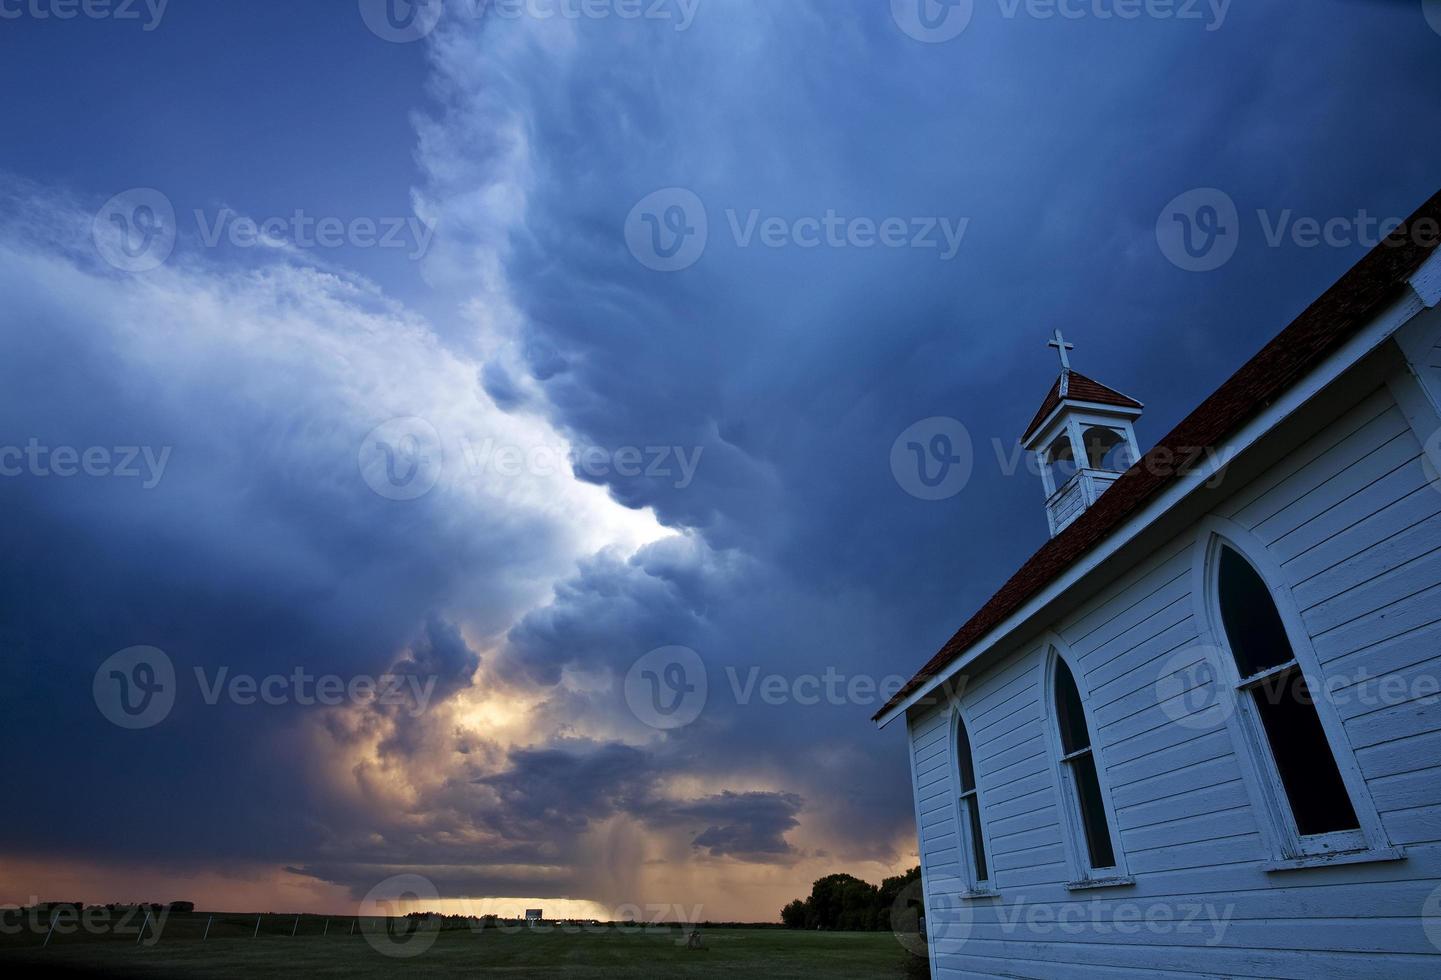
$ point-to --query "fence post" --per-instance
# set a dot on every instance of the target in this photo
(294, 927)
(52, 929)
(141, 934)
(257, 927)
(352, 927)
(207, 928)
(327, 928)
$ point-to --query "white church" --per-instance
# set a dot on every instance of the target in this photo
(1199, 732)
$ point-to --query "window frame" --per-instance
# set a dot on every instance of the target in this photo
(1288, 847)
(1077, 845)
(975, 885)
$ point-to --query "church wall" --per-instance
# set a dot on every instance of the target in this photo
(1354, 520)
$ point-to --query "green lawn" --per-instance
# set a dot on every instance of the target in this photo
(601, 954)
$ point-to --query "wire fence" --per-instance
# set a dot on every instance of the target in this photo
(32, 928)
(28, 928)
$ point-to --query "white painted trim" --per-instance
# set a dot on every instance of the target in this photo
(1078, 448)
(1423, 413)
(1426, 281)
(1383, 856)
(926, 893)
(1098, 884)
(1055, 650)
(1418, 391)
(1419, 337)
(1253, 749)
(1364, 342)
(1048, 484)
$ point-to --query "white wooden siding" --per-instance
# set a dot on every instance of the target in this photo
(1356, 527)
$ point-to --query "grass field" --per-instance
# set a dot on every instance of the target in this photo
(592, 954)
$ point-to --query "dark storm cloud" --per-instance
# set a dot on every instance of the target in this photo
(537, 809)
(793, 369)
(260, 551)
(552, 793)
(796, 368)
(442, 653)
(745, 620)
(437, 666)
(749, 825)
(617, 608)
(559, 790)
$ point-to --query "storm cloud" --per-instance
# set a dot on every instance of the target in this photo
(527, 592)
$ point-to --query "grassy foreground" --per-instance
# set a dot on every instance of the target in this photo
(588, 955)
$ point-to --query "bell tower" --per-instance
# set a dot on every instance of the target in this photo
(1084, 439)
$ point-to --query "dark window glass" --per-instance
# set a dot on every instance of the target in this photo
(970, 801)
(1253, 623)
(1308, 770)
(1093, 811)
(978, 849)
(1304, 761)
(1081, 761)
(964, 760)
(1069, 714)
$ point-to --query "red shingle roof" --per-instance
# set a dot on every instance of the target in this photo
(1356, 299)
(1078, 388)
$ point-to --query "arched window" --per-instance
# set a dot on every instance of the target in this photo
(1107, 449)
(1080, 774)
(1061, 461)
(969, 803)
(1272, 682)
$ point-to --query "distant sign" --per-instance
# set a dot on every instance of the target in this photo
(533, 915)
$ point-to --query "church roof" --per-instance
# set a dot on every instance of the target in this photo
(1075, 386)
(1355, 300)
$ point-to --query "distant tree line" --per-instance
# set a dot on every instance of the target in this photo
(844, 903)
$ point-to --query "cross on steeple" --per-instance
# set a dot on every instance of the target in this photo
(1063, 348)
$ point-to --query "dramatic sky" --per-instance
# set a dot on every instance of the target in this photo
(346, 454)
